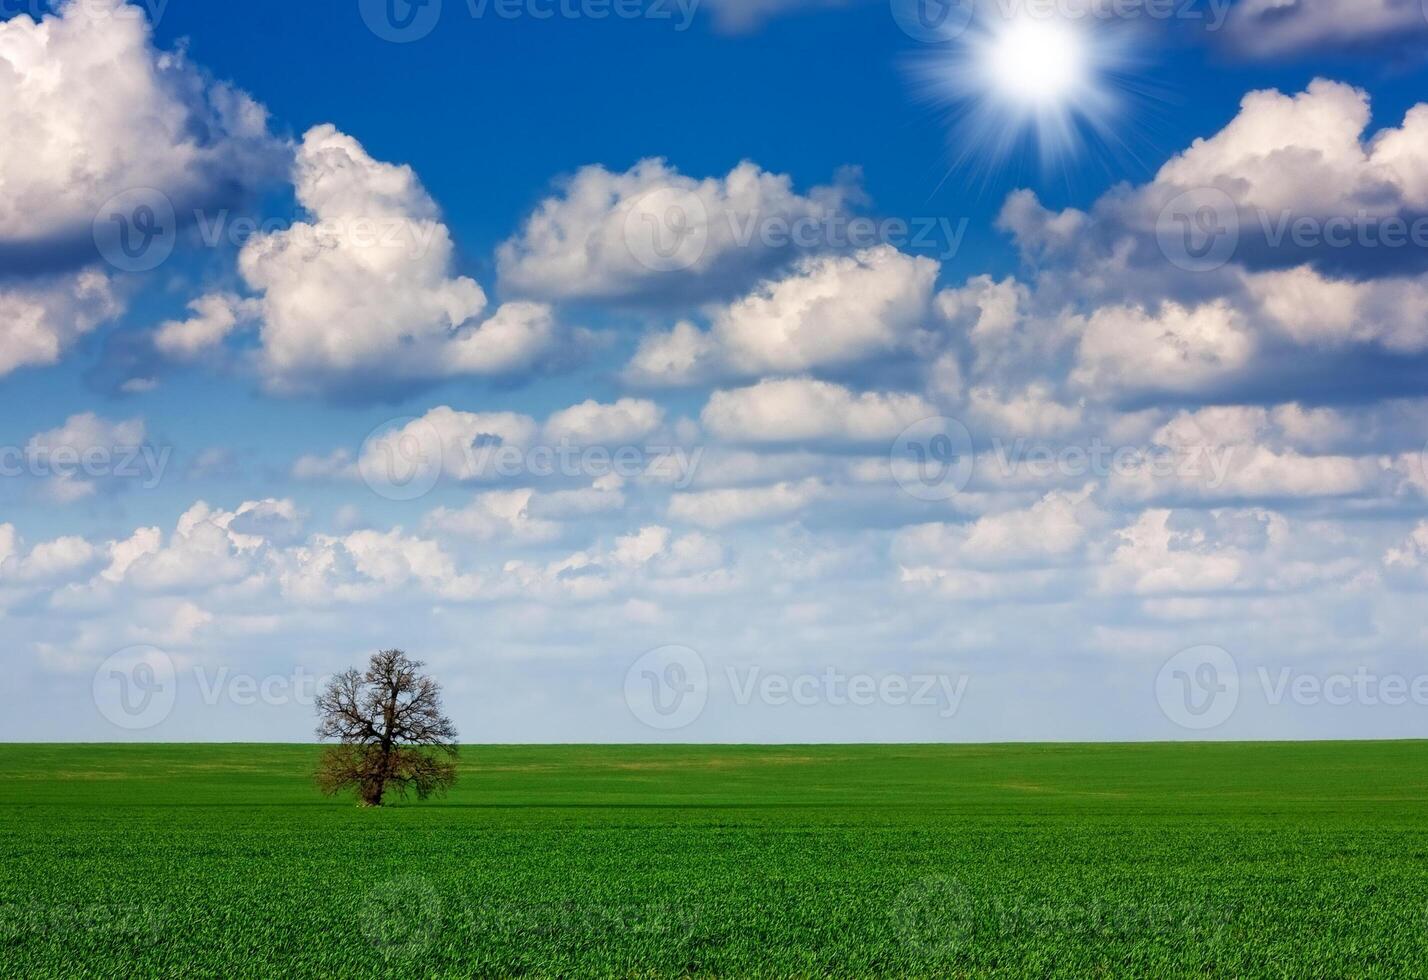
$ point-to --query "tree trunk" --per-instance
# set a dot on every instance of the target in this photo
(372, 793)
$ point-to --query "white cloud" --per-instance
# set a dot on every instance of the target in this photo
(1246, 452)
(1127, 350)
(1315, 310)
(87, 447)
(215, 316)
(830, 310)
(1051, 532)
(1304, 154)
(591, 423)
(494, 515)
(363, 299)
(46, 562)
(1033, 410)
(1281, 27)
(89, 109)
(802, 409)
(605, 495)
(1412, 552)
(366, 564)
(40, 321)
(574, 245)
(738, 505)
(1156, 556)
(201, 552)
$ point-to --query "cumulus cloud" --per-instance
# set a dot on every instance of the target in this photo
(74, 458)
(45, 562)
(214, 317)
(591, 423)
(739, 505)
(786, 410)
(1170, 551)
(494, 515)
(40, 321)
(1284, 27)
(485, 446)
(1315, 310)
(1247, 452)
(362, 299)
(90, 109)
(653, 232)
(1053, 531)
(1306, 154)
(831, 310)
(1412, 552)
(1128, 350)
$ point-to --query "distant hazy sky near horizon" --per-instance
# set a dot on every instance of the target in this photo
(981, 359)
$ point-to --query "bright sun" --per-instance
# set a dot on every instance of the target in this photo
(1035, 62)
(1045, 81)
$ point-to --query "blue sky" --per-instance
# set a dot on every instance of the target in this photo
(425, 254)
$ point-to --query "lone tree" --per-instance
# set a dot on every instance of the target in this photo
(391, 731)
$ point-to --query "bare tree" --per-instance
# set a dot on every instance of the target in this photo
(391, 731)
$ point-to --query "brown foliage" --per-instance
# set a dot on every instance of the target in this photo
(391, 731)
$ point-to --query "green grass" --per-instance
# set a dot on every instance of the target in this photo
(1155, 860)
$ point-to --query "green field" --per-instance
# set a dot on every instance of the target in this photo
(1153, 860)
